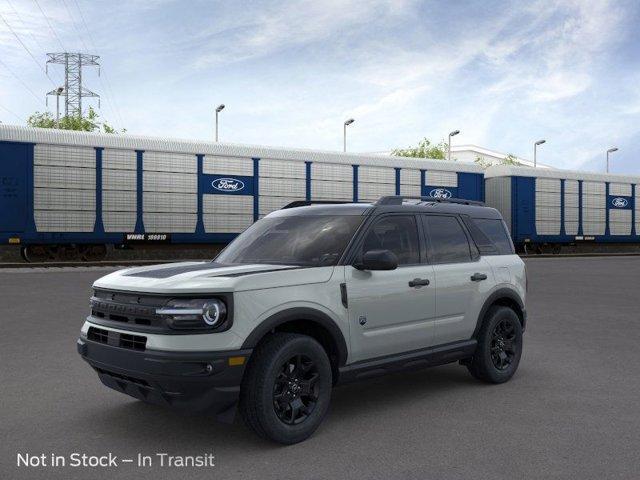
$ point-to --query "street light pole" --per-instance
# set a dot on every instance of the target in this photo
(535, 152)
(218, 110)
(452, 134)
(59, 90)
(611, 150)
(344, 133)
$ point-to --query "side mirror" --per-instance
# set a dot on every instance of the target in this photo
(378, 260)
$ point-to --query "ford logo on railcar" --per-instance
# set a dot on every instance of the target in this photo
(620, 202)
(228, 184)
(440, 193)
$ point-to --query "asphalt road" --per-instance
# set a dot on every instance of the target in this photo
(571, 411)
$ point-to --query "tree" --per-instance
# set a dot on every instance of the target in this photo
(89, 123)
(425, 149)
(510, 159)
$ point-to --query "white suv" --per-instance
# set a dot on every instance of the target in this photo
(309, 297)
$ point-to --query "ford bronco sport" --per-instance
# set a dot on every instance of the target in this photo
(309, 297)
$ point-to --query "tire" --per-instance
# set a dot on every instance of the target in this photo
(272, 403)
(499, 347)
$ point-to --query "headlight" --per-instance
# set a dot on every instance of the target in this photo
(194, 313)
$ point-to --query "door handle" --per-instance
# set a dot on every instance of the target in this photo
(477, 277)
(419, 282)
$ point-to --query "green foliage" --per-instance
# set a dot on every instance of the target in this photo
(425, 149)
(510, 159)
(89, 123)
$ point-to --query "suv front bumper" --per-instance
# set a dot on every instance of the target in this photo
(193, 381)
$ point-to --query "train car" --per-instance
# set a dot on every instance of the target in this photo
(548, 210)
(67, 193)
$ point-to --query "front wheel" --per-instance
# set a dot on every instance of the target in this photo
(499, 347)
(286, 390)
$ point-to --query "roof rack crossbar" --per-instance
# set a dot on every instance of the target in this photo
(307, 203)
(399, 199)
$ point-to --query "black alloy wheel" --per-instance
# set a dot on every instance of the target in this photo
(503, 341)
(296, 390)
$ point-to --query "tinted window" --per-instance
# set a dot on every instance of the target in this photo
(314, 240)
(447, 240)
(495, 230)
(397, 234)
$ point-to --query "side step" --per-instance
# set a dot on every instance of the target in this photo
(427, 357)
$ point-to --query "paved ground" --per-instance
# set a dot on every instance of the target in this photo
(572, 411)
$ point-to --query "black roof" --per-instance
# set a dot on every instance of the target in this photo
(474, 210)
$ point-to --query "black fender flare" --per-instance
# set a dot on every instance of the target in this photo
(502, 293)
(300, 313)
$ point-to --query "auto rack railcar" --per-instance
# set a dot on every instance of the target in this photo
(548, 209)
(82, 191)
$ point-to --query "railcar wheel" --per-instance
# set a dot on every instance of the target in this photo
(36, 253)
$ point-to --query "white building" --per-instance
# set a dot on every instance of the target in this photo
(469, 154)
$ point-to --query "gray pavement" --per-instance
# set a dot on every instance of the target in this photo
(571, 411)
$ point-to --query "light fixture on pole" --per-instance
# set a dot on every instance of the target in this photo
(218, 110)
(535, 152)
(57, 92)
(611, 150)
(344, 133)
(452, 134)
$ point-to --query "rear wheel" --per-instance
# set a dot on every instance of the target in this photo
(36, 253)
(286, 390)
(499, 346)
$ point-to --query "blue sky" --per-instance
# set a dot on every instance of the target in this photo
(290, 73)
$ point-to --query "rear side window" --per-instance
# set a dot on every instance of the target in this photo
(398, 234)
(447, 241)
(495, 230)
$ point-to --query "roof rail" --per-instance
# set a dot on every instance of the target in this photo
(307, 203)
(399, 199)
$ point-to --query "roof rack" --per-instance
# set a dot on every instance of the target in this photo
(399, 199)
(307, 203)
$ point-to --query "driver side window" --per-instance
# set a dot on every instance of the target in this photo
(396, 233)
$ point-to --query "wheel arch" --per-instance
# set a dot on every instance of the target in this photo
(308, 321)
(504, 297)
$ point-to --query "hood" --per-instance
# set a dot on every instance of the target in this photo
(210, 277)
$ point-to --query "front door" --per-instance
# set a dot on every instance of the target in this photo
(391, 311)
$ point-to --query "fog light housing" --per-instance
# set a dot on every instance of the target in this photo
(189, 314)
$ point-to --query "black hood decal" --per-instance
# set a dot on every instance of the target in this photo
(170, 272)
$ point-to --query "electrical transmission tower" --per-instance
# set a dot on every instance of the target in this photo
(73, 91)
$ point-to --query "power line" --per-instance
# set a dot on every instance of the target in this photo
(12, 113)
(21, 81)
(50, 26)
(27, 49)
(75, 27)
(24, 26)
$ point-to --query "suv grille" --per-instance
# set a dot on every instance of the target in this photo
(130, 309)
(116, 339)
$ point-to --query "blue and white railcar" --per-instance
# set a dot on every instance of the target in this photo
(552, 208)
(87, 190)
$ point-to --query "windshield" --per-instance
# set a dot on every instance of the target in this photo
(314, 240)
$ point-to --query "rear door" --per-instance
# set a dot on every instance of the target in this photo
(14, 159)
(462, 277)
(388, 311)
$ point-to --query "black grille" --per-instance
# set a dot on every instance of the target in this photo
(128, 309)
(116, 339)
(98, 335)
(134, 342)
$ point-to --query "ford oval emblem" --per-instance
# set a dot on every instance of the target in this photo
(440, 193)
(619, 202)
(228, 184)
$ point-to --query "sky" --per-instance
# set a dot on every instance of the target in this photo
(290, 72)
